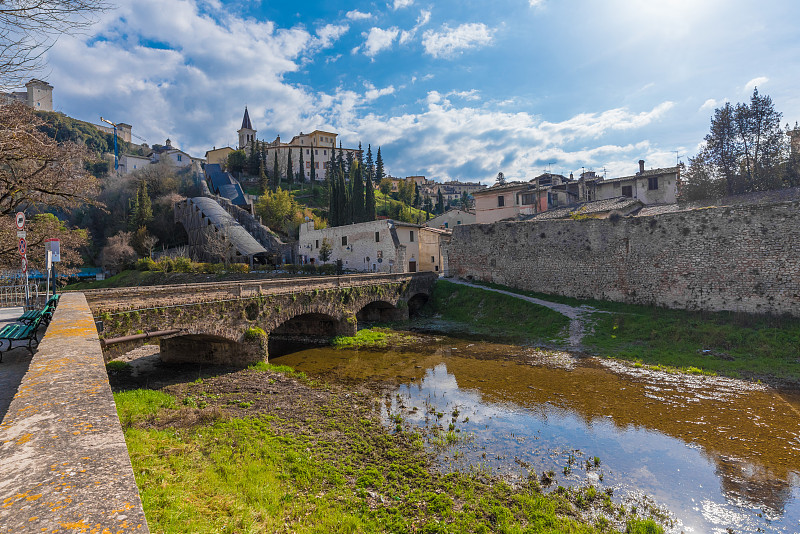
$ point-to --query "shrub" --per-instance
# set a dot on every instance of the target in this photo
(254, 334)
(146, 264)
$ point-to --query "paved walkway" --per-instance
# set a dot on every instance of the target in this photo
(578, 315)
(15, 363)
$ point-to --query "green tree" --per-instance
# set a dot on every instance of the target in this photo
(236, 161)
(439, 202)
(276, 173)
(313, 172)
(369, 200)
(277, 209)
(417, 199)
(301, 171)
(379, 172)
(289, 170)
(405, 191)
(698, 182)
(359, 207)
(325, 250)
(252, 166)
(141, 207)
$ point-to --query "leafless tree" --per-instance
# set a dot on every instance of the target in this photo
(118, 252)
(217, 246)
(28, 28)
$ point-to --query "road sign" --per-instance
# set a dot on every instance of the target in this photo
(23, 245)
(54, 246)
(22, 233)
(20, 220)
(24, 264)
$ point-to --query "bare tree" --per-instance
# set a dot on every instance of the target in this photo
(217, 247)
(28, 28)
(118, 252)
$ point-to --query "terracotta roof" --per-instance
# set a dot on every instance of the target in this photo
(588, 208)
(645, 174)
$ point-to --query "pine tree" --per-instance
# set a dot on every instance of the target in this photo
(301, 172)
(360, 156)
(289, 170)
(416, 201)
(370, 166)
(439, 202)
(313, 173)
(141, 207)
(341, 196)
(252, 158)
(263, 179)
(276, 173)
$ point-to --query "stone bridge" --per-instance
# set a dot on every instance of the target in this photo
(239, 323)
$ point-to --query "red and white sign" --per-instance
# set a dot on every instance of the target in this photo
(24, 264)
(20, 220)
(23, 246)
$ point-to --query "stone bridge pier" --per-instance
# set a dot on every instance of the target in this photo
(244, 322)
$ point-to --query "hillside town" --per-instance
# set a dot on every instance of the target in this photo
(313, 302)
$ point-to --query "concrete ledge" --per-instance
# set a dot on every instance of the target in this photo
(64, 466)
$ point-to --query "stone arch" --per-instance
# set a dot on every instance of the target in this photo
(416, 302)
(209, 349)
(307, 328)
(380, 311)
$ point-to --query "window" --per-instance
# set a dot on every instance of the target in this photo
(379, 254)
(344, 240)
(316, 243)
(528, 199)
(377, 237)
(316, 152)
(324, 152)
(411, 236)
(652, 183)
(627, 191)
(501, 201)
(458, 222)
(179, 157)
(316, 164)
(308, 151)
(446, 225)
(433, 259)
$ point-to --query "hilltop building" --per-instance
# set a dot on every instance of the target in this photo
(321, 142)
(38, 95)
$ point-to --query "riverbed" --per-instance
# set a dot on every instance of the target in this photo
(714, 453)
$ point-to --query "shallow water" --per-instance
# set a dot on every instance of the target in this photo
(716, 453)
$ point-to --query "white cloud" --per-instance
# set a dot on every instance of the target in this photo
(755, 82)
(372, 93)
(329, 33)
(422, 20)
(709, 104)
(401, 3)
(448, 41)
(536, 3)
(358, 15)
(379, 39)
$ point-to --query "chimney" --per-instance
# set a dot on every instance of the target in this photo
(641, 166)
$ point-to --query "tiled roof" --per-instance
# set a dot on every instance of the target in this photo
(645, 174)
(246, 120)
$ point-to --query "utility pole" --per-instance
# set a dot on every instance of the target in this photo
(116, 157)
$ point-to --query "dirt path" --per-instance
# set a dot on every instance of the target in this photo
(578, 315)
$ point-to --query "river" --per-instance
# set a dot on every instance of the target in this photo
(715, 453)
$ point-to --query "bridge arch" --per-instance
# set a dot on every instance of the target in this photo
(210, 349)
(380, 311)
(416, 302)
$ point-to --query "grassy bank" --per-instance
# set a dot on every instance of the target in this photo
(730, 344)
(262, 451)
(494, 315)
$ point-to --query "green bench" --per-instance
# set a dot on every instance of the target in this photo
(45, 314)
(19, 332)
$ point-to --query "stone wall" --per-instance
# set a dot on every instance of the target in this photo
(64, 466)
(743, 258)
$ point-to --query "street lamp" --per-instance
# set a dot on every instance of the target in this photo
(116, 158)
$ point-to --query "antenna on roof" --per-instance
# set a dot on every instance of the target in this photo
(677, 158)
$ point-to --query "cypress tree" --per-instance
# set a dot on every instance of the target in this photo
(252, 158)
(369, 200)
(440, 202)
(276, 173)
(370, 166)
(341, 197)
(289, 170)
(379, 173)
(313, 173)
(416, 195)
(359, 213)
(301, 172)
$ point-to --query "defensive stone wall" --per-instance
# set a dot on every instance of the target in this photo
(739, 258)
(64, 466)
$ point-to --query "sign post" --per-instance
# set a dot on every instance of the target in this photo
(49, 266)
(53, 248)
(22, 246)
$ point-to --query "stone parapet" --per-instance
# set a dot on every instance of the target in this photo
(64, 466)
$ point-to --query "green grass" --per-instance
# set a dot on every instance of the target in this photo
(366, 338)
(123, 279)
(739, 345)
(261, 474)
(496, 315)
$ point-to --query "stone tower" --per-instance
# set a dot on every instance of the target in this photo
(40, 95)
(247, 134)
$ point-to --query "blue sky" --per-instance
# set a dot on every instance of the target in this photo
(448, 89)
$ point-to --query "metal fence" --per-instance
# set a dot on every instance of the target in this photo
(12, 291)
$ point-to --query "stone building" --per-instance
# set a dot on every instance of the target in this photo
(37, 95)
(431, 244)
(451, 218)
(655, 186)
(384, 246)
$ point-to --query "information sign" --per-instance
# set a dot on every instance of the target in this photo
(54, 246)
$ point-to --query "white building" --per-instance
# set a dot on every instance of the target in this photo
(452, 217)
(131, 162)
(654, 186)
(384, 246)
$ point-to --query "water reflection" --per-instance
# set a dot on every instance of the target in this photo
(718, 453)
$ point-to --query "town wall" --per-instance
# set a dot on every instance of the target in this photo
(740, 258)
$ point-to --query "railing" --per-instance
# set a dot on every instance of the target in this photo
(13, 296)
